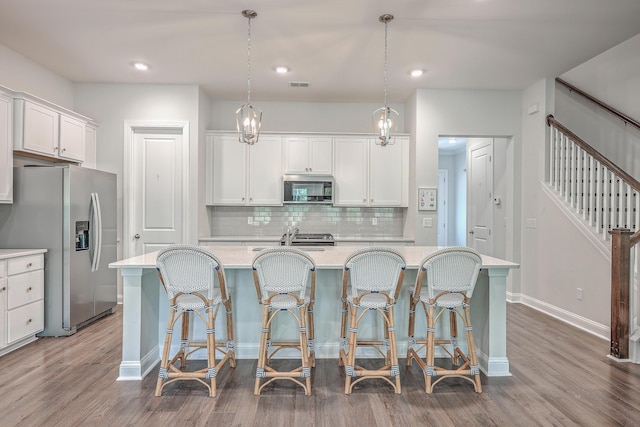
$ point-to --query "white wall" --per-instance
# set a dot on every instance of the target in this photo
(305, 116)
(23, 75)
(113, 104)
(461, 113)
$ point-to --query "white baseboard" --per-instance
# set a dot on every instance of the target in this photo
(587, 325)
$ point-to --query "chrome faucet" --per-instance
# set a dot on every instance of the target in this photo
(288, 237)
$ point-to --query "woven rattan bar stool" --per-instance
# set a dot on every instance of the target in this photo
(371, 282)
(189, 274)
(285, 280)
(450, 276)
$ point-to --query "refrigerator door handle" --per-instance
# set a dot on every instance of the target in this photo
(97, 231)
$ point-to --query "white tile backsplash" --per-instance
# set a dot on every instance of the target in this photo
(273, 221)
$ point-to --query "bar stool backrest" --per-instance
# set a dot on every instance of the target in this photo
(452, 269)
(375, 269)
(283, 270)
(188, 269)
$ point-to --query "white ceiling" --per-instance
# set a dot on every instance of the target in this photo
(335, 45)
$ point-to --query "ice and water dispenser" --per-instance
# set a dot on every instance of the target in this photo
(82, 235)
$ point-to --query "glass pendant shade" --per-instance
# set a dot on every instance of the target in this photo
(385, 122)
(248, 121)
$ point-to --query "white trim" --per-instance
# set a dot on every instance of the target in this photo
(592, 236)
(130, 128)
(587, 325)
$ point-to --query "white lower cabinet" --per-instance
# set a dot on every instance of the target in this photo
(21, 297)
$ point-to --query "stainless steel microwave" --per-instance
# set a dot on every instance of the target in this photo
(308, 189)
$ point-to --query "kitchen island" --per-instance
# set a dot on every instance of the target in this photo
(145, 307)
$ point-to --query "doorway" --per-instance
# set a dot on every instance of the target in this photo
(155, 194)
(454, 156)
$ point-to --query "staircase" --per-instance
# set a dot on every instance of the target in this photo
(606, 202)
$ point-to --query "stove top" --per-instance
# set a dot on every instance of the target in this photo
(300, 239)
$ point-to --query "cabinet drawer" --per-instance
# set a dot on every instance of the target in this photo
(24, 264)
(25, 288)
(24, 321)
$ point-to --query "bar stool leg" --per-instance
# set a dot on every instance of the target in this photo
(395, 369)
(230, 338)
(162, 374)
(429, 371)
(350, 369)
(304, 350)
(262, 356)
(475, 369)
(211, 352)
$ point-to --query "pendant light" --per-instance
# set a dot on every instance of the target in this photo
(385, 119)
(248, 118)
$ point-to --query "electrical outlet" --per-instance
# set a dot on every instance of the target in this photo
(249, 220)
(427, 222)
(579, 294)
(374, 221)
(531, 223)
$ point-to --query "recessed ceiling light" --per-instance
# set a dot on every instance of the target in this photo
(281, 69)
(141, 66)
(417, 72)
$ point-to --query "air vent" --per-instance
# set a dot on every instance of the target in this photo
(298, 84)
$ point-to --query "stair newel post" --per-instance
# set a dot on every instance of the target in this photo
(620, 282)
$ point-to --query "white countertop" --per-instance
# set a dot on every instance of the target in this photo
(330, 257)
(12, 253)
(214, 239)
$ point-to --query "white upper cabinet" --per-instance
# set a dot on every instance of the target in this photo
(90, 145)
(351, 172)
(367, 174)
(242, 174)
(308, 155)
(6, 154)
(43, 129)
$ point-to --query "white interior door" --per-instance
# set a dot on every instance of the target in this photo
(480, 195)
(157, 203)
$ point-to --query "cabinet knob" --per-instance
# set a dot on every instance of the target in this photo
(64, 149)
(29, 289)
(30, 320)
(243, 199)
(364, 200)
(29, 265)
(137, 236)
(55, 148)
(4, 288)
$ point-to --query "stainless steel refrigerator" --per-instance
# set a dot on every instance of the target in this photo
(70, 211)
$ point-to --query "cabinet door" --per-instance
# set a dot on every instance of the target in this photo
(90, 147)
(71, 138)
(385, 174)
(6, 149)
(351, 172)
(40, 129)
(320, 156)
(296, 155)
(227, 171)
(3, 306)
(265, 172)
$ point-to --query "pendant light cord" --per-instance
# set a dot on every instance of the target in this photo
(249, 62)
(385, 64)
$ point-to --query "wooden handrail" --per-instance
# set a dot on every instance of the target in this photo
(634, 183)
(626, 119)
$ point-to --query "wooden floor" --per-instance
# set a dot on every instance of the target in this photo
(561, 377)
